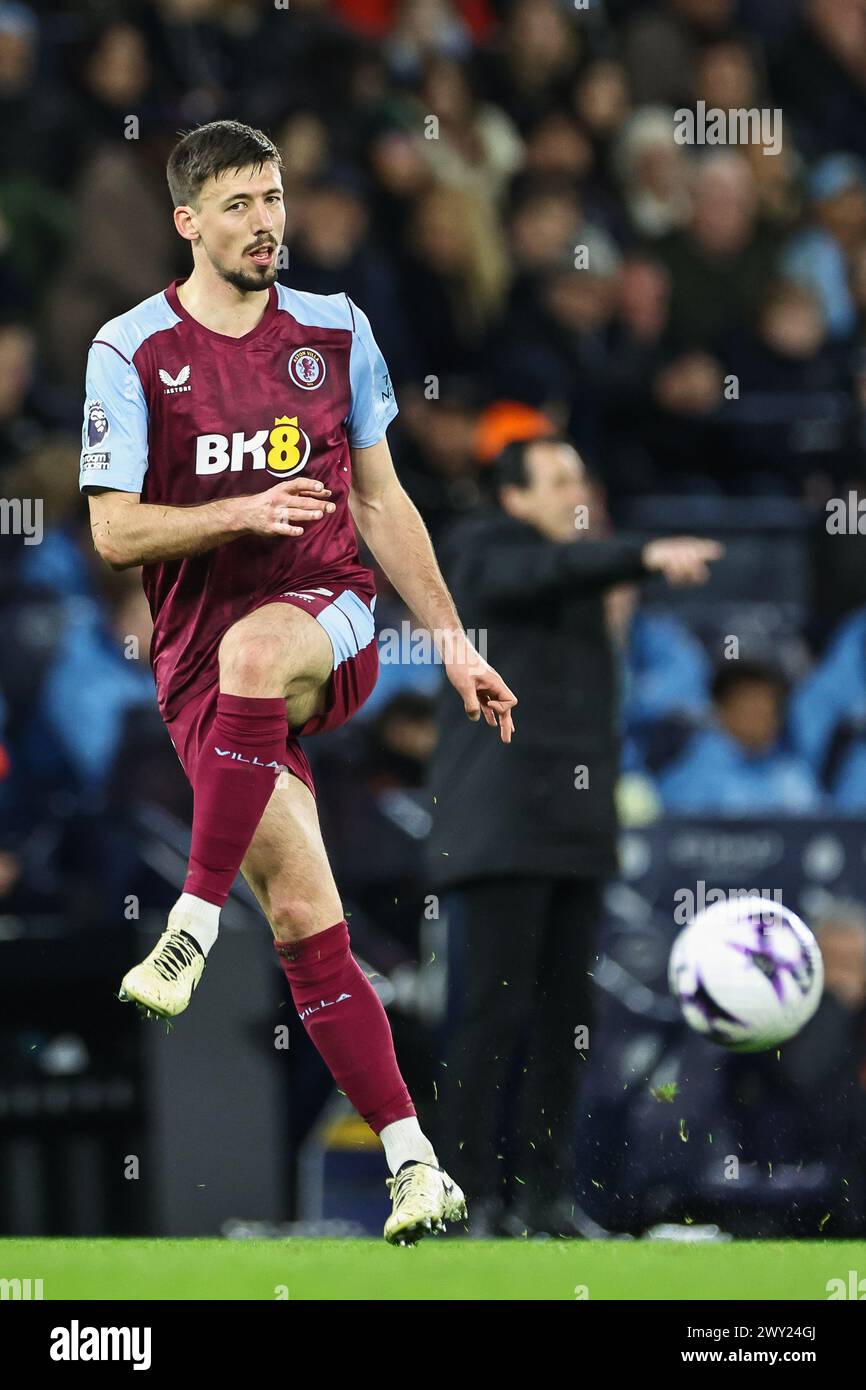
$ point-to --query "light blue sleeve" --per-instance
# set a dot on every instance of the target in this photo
(114, 433)
(373, 403)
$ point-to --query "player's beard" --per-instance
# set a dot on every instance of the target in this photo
(261, 278)
(248, 280)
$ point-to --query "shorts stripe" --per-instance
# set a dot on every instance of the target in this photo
(350, 625)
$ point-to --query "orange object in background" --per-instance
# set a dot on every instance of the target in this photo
(504, 422)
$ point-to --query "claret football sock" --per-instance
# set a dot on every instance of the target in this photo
(346, 1022)
(235, 777)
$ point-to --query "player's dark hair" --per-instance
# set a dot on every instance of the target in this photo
(509, 466)
(730, 674)
(211, 149)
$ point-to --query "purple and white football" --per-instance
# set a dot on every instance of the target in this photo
(747, 974)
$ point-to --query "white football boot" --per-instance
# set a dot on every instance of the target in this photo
(162, 985)
(424, 1199)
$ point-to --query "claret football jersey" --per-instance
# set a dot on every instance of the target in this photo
(184, 415)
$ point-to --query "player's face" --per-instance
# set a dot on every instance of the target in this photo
(240, 219)
(557, 486)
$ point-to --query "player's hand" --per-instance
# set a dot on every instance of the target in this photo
(279, 511)
(482, 690)
(682, 559)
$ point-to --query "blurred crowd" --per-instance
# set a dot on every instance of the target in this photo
(498, 184)
(449, 163)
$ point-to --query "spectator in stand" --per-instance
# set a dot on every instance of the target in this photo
(665, 679)
(100, 670)
(33, 210)
(304, 143)
(19, 415)
(661, 43)
(793, 417)
(439, 465)
(330, 253)
(738, 765)
(561, 347)
(820, 77)
(653, 172)
(378, 16)
(425, 29)
(557, 150)
(112, 75)
(453, 279)
(115, 261)
(62, 562)
(600, 99)
(720, 263)
(543, 218)
(531, 59)
(476, 145)
(828, 713)
(729, 75)
(819, 256)
(399, 173)
(33, 112)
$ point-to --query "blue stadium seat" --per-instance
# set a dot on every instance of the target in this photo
(834, 693)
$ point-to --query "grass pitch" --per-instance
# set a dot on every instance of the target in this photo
(443, 1268)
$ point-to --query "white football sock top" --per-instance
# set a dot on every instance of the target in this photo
(405, 1140)
(199, 919)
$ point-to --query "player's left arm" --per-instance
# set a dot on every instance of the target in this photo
(392, 527)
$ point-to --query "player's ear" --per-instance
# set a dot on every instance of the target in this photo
(186, 222)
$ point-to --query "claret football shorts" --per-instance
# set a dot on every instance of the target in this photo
(347, 617)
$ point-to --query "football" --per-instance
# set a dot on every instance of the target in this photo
(747, 974)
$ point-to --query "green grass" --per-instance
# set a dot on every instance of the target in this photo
(441, 1268)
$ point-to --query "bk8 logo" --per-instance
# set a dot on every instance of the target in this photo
(288, 448)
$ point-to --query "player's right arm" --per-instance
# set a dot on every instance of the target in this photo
(127, 531)
(114, 460)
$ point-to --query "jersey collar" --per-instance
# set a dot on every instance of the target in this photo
(173, 298)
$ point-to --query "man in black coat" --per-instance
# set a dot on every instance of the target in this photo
(524, 835)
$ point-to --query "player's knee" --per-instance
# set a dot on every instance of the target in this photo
(292, 918)
(248, 664)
